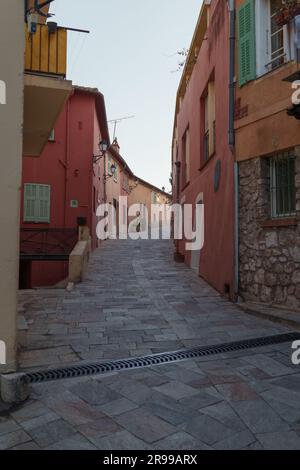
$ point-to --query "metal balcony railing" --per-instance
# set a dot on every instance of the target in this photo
(46, 51)
(47, 244)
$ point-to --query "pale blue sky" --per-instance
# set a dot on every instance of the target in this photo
(129, 56)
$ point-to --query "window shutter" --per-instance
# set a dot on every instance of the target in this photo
(43, 208)
(109, 167)
(30, 202)
(246, 42)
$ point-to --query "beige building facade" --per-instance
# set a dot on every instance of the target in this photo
(146, 195)
(11, 118)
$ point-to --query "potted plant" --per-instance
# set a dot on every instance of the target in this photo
(290, 9)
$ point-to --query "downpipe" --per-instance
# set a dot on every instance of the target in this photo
(231, 142)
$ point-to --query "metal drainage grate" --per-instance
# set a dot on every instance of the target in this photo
(157, 359)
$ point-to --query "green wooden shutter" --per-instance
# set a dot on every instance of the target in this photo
(246, 42)
(43, 214)
(30, 202)
(37, 203)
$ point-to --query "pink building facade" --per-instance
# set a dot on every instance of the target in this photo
(203, 164)
(64, 186)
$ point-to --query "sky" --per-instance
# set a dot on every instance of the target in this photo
(130, 55)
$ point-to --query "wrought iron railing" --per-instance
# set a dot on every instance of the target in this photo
(282, 185)
(47, 244)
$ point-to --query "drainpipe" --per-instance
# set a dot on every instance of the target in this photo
(231, 73)
(178, 167)
(105, 179)
(67, 161)
(231, 141)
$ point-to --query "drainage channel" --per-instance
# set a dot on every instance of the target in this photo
(95, 368)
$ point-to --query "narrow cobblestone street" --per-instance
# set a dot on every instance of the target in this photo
(135, 301)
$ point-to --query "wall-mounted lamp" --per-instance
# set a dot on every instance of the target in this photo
(103, 147)
(113, 170)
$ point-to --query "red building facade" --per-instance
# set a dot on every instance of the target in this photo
(64, 186)
(203, 164)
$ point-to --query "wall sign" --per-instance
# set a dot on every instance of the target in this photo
(74, 204)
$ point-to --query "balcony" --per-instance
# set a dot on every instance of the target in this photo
(46, 89)
(46, 51)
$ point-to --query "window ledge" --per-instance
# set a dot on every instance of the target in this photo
(185, 186)
(275, 70)
(286, 222)
(203, 165)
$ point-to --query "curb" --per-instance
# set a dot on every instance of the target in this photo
(269, 316)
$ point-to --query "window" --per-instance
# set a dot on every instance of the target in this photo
(206, 131)
(209, 139)
(52, 136)
(154, 197)
(282, 185)
(37, 203)
(109, 165)
(95, 198)
(186, 157)
(116, 174)
(276, 37)
(274, 43)
(126, 183)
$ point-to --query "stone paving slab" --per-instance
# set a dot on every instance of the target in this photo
(227, 416)
(135, 302)
(132, 302)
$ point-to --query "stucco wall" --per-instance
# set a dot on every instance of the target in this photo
(217, 256)
(262, 124)
(66, 164)
(11, 118)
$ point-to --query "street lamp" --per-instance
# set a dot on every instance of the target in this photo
(103, 147)
(113, 170)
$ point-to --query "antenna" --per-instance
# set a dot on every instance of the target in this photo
(116, 122)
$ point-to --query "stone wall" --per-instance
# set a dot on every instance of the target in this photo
(269, 256)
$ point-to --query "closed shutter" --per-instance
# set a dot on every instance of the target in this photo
(37, 203)
(246, 42)
(30, 202)
(109, 166)
(43, 203)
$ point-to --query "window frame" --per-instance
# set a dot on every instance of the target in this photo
(263, 47)
(277, 191)
(37, 218)
(51, 137)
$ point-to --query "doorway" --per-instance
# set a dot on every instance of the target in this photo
(196, 255)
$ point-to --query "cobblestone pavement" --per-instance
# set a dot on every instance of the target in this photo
(134, 301)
